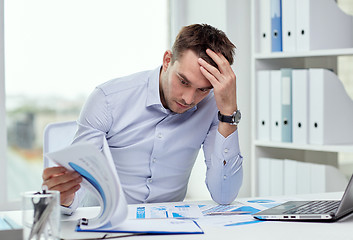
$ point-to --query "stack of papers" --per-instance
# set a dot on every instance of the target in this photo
(100, 178)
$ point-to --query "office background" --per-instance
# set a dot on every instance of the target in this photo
(56, 52)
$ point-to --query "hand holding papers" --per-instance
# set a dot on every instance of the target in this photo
(100, 177)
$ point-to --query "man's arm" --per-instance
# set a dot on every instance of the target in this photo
(223, 81)
(224, 174)
(224, 162)
(92, 123)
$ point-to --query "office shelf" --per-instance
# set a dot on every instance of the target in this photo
(307, 147)
(326, 58)
(315, 53)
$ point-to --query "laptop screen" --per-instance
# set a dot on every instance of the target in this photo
(346, 205)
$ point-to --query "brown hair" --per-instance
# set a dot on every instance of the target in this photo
(198, 38)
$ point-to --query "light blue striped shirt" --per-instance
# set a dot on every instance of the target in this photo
(153, 148)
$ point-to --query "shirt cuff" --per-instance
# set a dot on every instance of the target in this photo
(227, 148)
(70, 209)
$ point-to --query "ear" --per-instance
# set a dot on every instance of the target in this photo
(167, 59)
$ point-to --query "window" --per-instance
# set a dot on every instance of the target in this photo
(56, 52)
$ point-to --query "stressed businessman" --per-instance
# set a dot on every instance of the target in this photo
(156, 121)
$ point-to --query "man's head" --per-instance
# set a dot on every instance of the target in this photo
(198, 38)
(182, 85)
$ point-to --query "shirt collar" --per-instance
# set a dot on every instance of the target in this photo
(153, 96)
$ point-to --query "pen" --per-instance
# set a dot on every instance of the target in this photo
(38, 226)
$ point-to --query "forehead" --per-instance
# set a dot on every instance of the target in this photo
(187, 66)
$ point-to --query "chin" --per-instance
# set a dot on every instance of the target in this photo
(180, 110)
(174, 107)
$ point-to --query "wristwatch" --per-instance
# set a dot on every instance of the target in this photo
(233, 119)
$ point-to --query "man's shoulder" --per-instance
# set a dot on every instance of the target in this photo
(130, 82)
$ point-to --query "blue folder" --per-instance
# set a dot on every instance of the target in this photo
(276, 25)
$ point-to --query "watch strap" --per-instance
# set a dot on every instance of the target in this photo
(225, 118)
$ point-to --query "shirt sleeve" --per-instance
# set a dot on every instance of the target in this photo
(95, 119)
(224, 174)
(92, 124)
(74, 205)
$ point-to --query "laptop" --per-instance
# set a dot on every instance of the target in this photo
(321, 211)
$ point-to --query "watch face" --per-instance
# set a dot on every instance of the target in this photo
(236, 116)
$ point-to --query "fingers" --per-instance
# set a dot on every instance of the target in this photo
(224, 73)
(53, 171)
(210, 77)
(64, 181)
(220, 60)
(209, 71)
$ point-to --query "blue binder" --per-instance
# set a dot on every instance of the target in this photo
(286, 79)
(276, 25)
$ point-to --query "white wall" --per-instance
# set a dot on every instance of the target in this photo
(233, 17)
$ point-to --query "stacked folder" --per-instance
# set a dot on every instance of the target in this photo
(289, 177)
(302, 25)
(303, 106)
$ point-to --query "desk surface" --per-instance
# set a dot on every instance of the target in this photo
(342, 229)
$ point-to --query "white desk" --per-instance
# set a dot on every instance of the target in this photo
(342, 229)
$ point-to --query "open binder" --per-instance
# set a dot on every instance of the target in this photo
(100, 177)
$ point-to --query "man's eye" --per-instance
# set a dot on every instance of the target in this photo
(183, 82)
(204, 89)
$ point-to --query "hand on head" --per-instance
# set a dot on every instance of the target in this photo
(223, 81)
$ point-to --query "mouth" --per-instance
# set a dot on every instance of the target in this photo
(183, 106)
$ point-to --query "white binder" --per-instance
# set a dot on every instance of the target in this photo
(264, 173)
(300, 105)
(276, 177)
(326, 178)
(263, 105)
(276, 106)
(265, 25)
(303, 178)
(336, 181)
(321, 24)
(331, 109)
(317, 178)
(289, 25)
(290, 177)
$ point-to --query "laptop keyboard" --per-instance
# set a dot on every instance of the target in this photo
(315, 207)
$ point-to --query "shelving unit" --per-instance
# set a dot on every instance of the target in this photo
(325, 154)
(307, 147)
(315, 53)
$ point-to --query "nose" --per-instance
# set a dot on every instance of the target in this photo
(189, 96)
